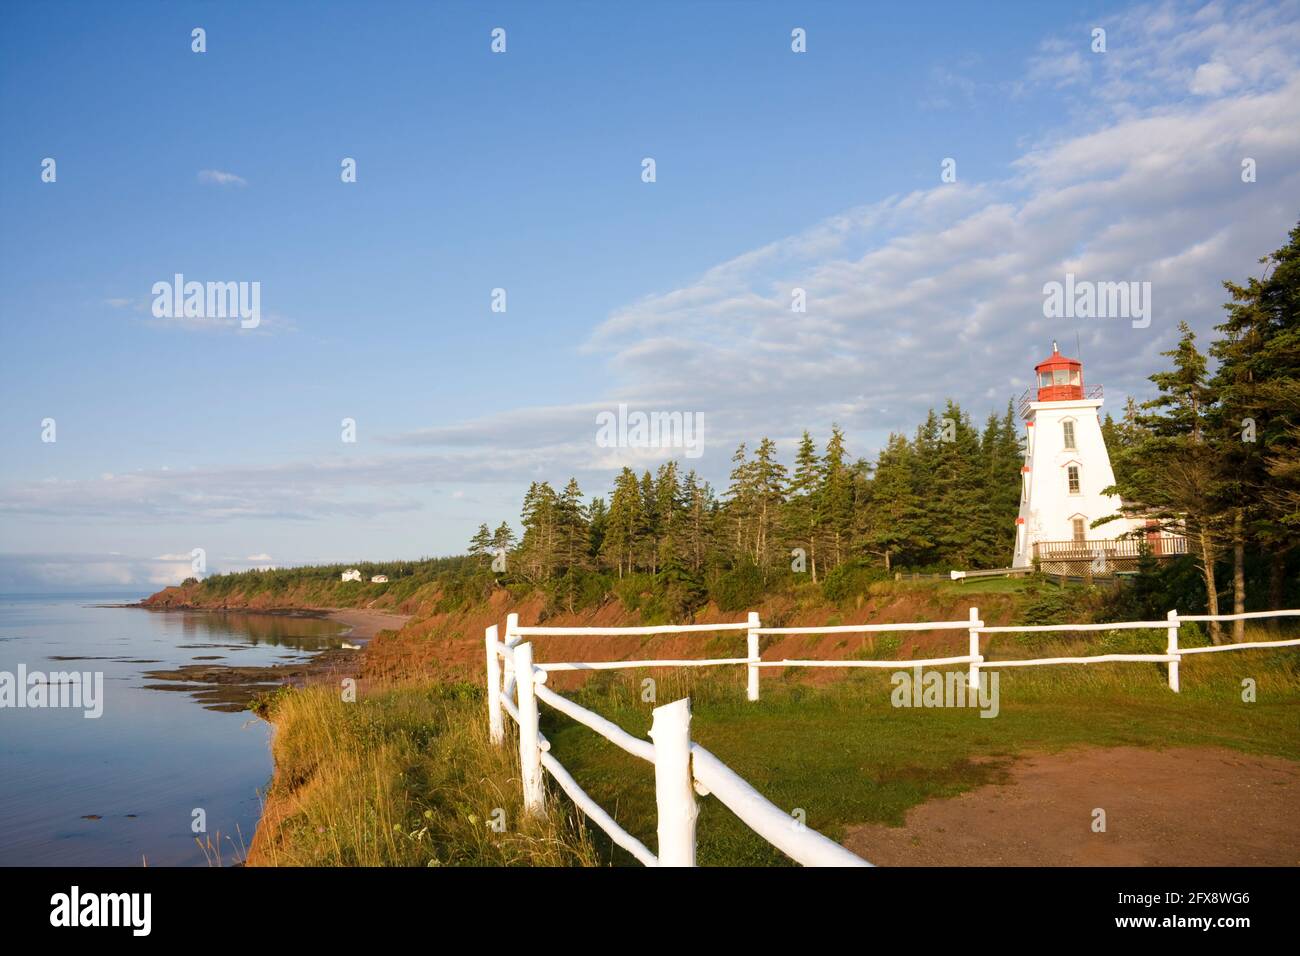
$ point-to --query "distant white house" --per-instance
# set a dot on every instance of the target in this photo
(379, 579)
(351, 574)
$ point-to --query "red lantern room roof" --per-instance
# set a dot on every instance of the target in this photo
(1060, 379)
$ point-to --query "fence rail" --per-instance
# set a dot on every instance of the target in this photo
(516, 684)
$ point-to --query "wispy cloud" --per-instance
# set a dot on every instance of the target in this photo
(912, 298)
(217, 177)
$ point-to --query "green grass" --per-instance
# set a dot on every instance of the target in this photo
(845, 756)
(407, 776)
(402, 777)
(990, 585)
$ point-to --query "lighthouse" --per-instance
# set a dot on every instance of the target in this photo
(1065, 471)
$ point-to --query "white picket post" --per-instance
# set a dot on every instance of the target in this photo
(1172, 648)
(530, 751)
(512, 625)
(974, 680)
(674, 783)
(496, 728)
(753, 654)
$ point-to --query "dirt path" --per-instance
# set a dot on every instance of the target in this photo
(1178, 807)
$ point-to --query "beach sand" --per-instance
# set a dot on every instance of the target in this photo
(366, 623)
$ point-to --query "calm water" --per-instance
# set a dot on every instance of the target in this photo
(154, 756)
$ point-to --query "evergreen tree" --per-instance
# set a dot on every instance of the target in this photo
(669, 508)
(503, 539)
(769, 478)
(962, 505)
(1173, 472)
(623, 525)
(835, 498)
(699, 518)
(481, 544)
(572, 530)
(597, 520)
(538, 552)
(1257, 419)
(803, 511)
(741, 505)
(895, 525)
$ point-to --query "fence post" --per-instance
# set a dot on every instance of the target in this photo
(530, 753)
(496, 728)
(974, 681)
(1172, 648)
(512, 625)
(753, 655)
(674, 783)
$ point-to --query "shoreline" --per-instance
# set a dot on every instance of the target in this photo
(231, 688)
(362, 623)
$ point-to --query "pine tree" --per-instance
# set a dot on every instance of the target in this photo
(769, 478)
(648, 533)
(1174, 474)
(572, 529)
(503, 539)
(1258, 417)
(803, 511)
(740, 505)
(961, 502)
(623, 525)
(597, 522)
(668, 508)
(481, 544)
(896, 528)
(699, 513)
(835, 498)
(538, 551)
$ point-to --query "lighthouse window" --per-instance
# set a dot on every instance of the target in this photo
(1079, 533)
(1072, 475)
(1068, 427)
(1060, 377)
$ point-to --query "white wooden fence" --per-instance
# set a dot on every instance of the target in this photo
(516, 683)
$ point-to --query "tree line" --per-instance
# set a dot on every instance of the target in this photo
(1215, 456)
(946, 496)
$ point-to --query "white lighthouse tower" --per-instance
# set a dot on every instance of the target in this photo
(1066, 467)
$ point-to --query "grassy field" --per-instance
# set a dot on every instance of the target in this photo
(407, 777)
(845, 756)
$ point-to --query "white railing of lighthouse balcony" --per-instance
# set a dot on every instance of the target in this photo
(516, 684)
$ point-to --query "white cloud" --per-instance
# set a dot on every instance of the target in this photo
(912, 298)
(219, 177)
(1211, 79)
(112, 572)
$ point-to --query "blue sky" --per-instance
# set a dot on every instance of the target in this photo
(522, 171)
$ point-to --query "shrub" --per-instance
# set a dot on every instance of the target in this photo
(851, 579)
(739, 589)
